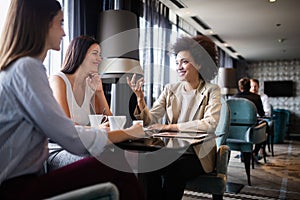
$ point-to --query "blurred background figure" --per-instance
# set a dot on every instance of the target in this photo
(264, 98)
(244, 92)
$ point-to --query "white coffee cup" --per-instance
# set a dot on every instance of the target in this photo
(96, 120)
(117, 122)
(141, 122)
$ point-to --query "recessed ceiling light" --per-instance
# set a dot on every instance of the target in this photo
(209, 31)
(272, 1)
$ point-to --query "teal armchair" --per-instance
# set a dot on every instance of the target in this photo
(101, 191)
(215, 182)
(244, 131)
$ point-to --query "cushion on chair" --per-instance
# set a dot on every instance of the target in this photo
(259, 134)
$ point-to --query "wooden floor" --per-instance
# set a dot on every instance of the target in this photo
(279, 178)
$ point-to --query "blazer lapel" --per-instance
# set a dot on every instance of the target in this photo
(198, 101)
(176, 99)
(173, 111)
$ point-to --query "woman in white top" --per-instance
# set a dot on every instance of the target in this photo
(29, 114)
(78, 87)
(78, 90)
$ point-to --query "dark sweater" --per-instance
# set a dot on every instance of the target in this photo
(255, 98)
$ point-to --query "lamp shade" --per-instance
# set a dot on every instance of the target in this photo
(119, 40)
(227, 80)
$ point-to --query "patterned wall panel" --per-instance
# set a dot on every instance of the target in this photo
(280, 71)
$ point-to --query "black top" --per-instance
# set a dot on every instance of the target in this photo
(255, 98)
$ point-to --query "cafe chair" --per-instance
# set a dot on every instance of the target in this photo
(244, 131)
(215, 182)
(101, 191)
(260, 136)
(222, 130)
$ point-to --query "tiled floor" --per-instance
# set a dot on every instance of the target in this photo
(279, 178)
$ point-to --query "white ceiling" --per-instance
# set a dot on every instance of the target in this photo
(252, 28)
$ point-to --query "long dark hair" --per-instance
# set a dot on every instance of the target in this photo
(76, 53)
(26, 29)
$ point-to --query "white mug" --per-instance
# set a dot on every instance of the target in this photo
(96, 120)
(116, 122)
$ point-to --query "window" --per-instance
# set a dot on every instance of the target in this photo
(53, 60)
(3, 12)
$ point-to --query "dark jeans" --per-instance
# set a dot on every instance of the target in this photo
(85, 172)
(169, 183)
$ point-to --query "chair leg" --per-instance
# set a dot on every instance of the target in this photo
(272, 144)
(268, 142)
(247, 159)
(217, 197)
(271, 138)
(253, 159)
(264, 151)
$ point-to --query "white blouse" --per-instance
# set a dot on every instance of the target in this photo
(79, 114)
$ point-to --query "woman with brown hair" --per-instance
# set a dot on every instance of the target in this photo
(29, 114)
(78, 86)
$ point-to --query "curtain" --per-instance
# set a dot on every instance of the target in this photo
(83, 17)
(224, 59)
(154, 40)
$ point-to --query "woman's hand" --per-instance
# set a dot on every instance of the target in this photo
(163, 127)
(136, 86)
(95, 82)
(135, 131)
(157, 127)
(105, 126)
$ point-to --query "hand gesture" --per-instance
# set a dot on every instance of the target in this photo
(136, 86)
(95, 82)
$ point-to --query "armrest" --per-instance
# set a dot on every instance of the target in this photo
(259, 133)
(98, 191)
(223, 156)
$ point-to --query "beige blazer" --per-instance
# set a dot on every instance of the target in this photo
(203, 117)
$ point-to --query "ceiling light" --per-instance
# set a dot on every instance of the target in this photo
(209, 31)
(272, 1)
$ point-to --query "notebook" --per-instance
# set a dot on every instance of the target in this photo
(187, 135)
